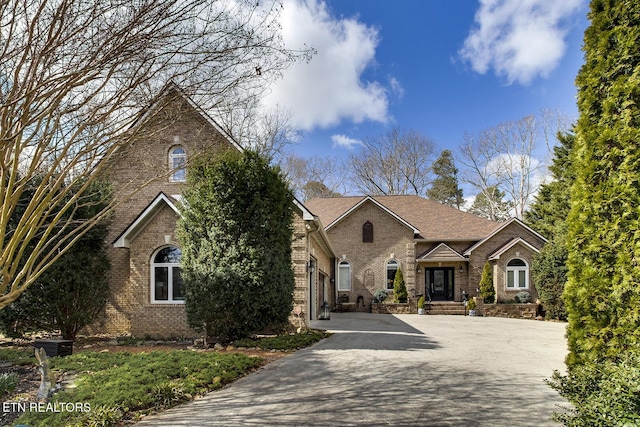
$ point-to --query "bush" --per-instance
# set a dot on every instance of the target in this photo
(487, 291)
(8, 382)
(380, 296)
(602, 394)
(523, 297)
(471, 304)
(399, 288)
(421, 302)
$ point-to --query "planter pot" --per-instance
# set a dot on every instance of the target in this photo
(421, 311)
(472, 312)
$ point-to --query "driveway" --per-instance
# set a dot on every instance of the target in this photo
(400, 370)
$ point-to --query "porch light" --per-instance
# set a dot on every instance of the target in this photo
(325, 314)
(461, 269)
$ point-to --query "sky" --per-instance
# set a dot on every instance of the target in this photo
(443, 68)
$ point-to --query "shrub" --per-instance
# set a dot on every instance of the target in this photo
(471, 304)
(602, 394)
(8, 382)
(421, 302)
(487, 291)
(399, 288)
(380, 296)
(523, 297)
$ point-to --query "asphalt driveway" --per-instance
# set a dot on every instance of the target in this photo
(404, 370)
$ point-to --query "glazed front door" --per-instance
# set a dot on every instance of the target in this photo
(440, 283)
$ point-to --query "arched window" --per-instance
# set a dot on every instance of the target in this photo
(367, 232)
(392, 268)
(166, 283)
(344, 276)
(177, 164)
(517, 274)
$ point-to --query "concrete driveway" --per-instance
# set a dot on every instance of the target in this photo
(403, 370)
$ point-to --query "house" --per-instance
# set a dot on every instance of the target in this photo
(346, 246)
(147, 176)
(440, 250)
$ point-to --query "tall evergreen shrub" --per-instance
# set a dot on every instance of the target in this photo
(487, 291)
(399, 288)
(235, 232)
(601, 295)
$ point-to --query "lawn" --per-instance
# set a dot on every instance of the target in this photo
(109, 388)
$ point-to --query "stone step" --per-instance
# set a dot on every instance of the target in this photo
(445, 308)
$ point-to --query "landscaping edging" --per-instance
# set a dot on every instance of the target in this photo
(393, 308)
(513, 311)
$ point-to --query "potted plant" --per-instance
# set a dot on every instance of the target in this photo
(471, 306)
(421, 305)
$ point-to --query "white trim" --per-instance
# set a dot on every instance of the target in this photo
(496, 255)
(347, 263)
(516, 276)
(500, 228)
(378, 204)
(145, 217)
(169, 266)
(386, 273)
(172, 156)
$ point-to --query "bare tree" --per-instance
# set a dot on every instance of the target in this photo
(74, 76)
(502, 159)
(398, 162)
(314, 176)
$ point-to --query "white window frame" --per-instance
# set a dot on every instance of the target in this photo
(389, 266)
(169, 266)
(516, 270)
(178, 164)
(346, 264)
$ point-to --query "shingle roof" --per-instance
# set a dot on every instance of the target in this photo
(435, 221)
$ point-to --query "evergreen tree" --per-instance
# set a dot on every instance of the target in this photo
(444, 187)
(70, 294)
(491, 205)
(235, 232)
(399, 288)
(487, 291)
(548, 215)
(601, 294)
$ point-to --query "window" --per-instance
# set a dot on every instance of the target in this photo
(177, 164)
(344, 276)
(517, 274)
(367, 232)
(392, 267)
(166, 282)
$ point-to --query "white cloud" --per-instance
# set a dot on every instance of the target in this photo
(519, 39)
(396, 87)
(344, 141)
(330, 88)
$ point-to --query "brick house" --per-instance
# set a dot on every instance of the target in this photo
(441, 250)
(148, 176)
(340, 246)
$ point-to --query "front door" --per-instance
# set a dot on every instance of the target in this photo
(439, 282)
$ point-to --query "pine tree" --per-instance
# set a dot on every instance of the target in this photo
(601, 294)
(490, 205)
(399, 288)
(487, 291)
(235, 232)
(548, 215)
(445, 187)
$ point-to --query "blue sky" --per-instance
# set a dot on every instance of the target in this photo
(440, 67)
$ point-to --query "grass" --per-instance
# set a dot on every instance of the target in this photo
(119, 387)
(17, 357)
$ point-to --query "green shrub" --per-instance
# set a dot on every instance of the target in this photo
(380, 296)
(471, 304)
(421, 302)
(399, 288)
(487, 291)
(523, 297)
(602, 394)
(8, 382)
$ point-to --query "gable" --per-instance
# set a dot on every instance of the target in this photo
(143, 219)
(510, 244)
(514, 228)
(441, 253)
(380, 206)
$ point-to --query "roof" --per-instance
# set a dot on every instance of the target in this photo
(432, 220)
(145, 217)
(501, 227)
(511, 243)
